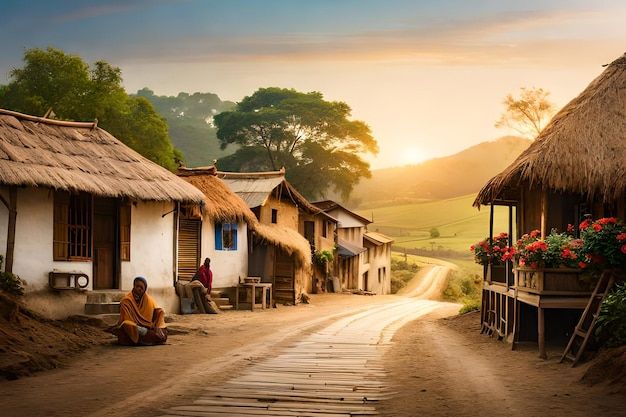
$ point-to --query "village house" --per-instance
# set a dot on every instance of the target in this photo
(83, 211)
(364, 258)
(217, 230)
(574, 168)
(278, 253)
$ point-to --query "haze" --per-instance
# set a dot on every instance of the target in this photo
(428, 77)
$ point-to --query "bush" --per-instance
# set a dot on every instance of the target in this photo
(10, 282)
(462, 285)
(401, 273)
(434, 233)
(470, 304)
(611, 324)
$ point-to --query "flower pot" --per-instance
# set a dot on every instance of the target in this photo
(566, 281)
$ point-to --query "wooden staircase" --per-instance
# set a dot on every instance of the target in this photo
(584, 329)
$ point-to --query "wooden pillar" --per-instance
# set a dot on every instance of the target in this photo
(508, 270)
(491, 221)
(544, 213)
(8, 266)
(541, 333)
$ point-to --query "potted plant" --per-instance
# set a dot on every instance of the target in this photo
(489, 253)
(604, 244)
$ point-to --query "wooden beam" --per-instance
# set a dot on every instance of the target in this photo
(8, 266)
(541, 333)
(544, 213)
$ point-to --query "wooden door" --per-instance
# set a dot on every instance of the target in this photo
(365, 279)
(188, 248)
(104, 239)
(309, 232)
(284, 285)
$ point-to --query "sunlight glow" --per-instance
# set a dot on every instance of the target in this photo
(410, 155)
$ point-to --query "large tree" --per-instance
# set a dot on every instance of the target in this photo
(527, 114)
(52, 79)
(314, 139)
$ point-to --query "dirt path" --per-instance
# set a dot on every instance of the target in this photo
(428, 283)
(334, 371)
(446, 368)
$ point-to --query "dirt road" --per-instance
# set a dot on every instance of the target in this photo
(428, 283)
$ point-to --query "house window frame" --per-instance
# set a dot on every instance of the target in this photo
(72, 238)
(226, 236)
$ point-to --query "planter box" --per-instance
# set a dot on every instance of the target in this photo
(497, 273)
(551, 281)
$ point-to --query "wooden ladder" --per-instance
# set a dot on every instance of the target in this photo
(584, 329)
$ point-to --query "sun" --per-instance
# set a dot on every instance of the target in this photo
(411, 155)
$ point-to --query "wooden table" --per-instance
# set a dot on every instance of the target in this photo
(266, 288)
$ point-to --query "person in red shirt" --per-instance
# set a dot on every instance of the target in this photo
(205, 275)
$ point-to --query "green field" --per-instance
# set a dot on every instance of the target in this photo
(459, 224)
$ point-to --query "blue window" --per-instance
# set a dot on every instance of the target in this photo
(226, 236)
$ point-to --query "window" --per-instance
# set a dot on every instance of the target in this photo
(324, 228)
(274, 216)
(226, 236)
(72, 227)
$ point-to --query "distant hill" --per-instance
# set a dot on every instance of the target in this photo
(190, 121)
(451, 176)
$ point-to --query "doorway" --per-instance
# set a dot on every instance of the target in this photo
(106, 259)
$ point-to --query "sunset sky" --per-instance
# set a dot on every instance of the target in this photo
(429, 77)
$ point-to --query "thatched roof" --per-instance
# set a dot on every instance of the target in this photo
(255, 187)
(75, 156)
(583, 148)
(287, 239)
(220, 202)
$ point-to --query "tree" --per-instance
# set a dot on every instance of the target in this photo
(434, 233)
(527, 114)
(312, 138)
(53, 79)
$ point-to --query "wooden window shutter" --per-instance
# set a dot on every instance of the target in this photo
(218, 236)
(60, 236)
(125, 210)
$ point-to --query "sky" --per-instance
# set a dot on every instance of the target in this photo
(428, 77)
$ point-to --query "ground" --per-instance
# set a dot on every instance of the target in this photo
(437, 365)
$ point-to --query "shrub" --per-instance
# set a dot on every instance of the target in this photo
(611, 324)
(470, 304)
(10, 282)
(434, 233)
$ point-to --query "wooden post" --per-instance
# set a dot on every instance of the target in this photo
(541, 333)
(544, 213)
(8, 266)
(508, 270)
(491, 221)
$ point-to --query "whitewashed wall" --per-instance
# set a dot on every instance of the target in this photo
(227, 265)
(380, 257)
(151, 252)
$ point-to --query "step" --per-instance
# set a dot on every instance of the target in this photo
(105, 296)
(221, 301)
(226, 307)
(102, 308)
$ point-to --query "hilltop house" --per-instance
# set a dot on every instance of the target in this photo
(82, 210)
(364, 258)
(575, 167)
(278, 252)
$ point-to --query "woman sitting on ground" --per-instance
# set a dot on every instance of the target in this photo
(141, 321)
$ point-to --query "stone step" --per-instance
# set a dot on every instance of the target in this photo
(226, 307)
(221, 301)
(102, 308)
(105, 296)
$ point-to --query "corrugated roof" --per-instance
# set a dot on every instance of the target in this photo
(253, 191)
(347, 249)
(377, 238)
(76, 156)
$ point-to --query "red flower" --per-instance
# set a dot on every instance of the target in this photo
(566, 253)
(570, 228)
(535, 233)
(597, 227)
(533, 265)
(496, 248)
(623, 249)
(472, 247)
(607, 220)
(621, 237)
(585, 224)
(582, 265)
(522, 262)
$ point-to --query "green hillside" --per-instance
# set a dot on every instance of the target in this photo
(460, 174)
(190, 121)
(459, 224)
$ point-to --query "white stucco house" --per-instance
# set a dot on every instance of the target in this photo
(76, 200)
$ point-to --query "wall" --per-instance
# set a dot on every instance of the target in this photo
(227, 265)
(353, 235)
(346, 219)
(151, 253)
(380, 260)
(287, 213)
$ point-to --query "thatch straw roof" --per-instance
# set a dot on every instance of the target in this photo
(75, 156)
(220, 202)
(583, 148)
(287, 239)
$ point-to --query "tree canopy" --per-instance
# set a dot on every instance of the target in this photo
(527, 114)
(314, 139)
(52, 79)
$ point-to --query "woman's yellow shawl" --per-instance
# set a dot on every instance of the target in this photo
(142, 314)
